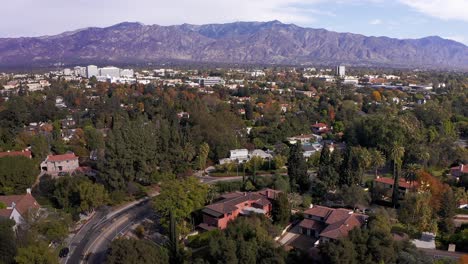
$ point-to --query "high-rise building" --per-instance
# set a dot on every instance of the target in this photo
(341, 71)
(92, 70)
(110, 71)
(80, 71)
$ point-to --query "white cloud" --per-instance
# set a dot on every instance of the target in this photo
(443, 9)
(375, 22)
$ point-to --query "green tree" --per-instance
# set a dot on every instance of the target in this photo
(37, 253)
(396, 152)
(448, 210)
(203, 152)
(354, 196)
(17, 174)
(281, 210)
(378, 160)
(297, 169)
(279, 161)
(416, 212)
(253, 165)
(40, 147)
(91, 195)
(7, 241)
(94, 139)
(181, 197)
(133, 251)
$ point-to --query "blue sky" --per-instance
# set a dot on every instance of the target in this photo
(393, 18)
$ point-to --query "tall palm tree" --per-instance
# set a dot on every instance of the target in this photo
(378, 160)
(396, 153)
(411, 171)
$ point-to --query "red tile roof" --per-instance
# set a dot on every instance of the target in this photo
(63, 157)
(342, 227)
(462, 168)
(401, 182)
(6, 213)
(24, 153)
(319, 125)
(320, 211)
(337, 222)
(311, 224)
(230, 201)
(22, 202)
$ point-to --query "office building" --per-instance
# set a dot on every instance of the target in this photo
(92, 70)
(211, 81)
(110, 71)
(128, 73)
(341, 71)
(80, 71)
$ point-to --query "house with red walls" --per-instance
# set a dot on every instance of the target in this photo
(235, 204)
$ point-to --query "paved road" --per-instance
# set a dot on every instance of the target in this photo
(438, 254)
(102, 238)
(102, 219)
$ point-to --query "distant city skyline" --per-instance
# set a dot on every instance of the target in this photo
(398, 18)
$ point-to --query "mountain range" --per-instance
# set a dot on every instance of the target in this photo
(240, 42)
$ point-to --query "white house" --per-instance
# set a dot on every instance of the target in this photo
(18, 206)
(54, 164)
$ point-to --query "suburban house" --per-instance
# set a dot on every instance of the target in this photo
(54, 164)
(458, 171)
(232, 205)
(17, 207)
(319, 128)
(260, 153)
(327, 224)
(243, 155)
(304, 139)
(311, 149)
(24, 153)
(403, 185)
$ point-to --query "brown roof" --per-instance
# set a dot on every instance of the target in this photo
(63, 157)
(6, 213)
(342, 227)
(320, 211)
(319, 125)
(461, 168)
(22, 202)
(401, 182)
(338, 222)
(269, 193)
(311, 224)
(230, 203)
(24, 153)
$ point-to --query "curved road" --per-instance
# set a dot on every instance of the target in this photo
(96, 235)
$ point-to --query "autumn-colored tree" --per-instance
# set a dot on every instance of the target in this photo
(376, 96)
(434, 186)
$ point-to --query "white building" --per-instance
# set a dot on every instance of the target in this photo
(92, 70)
(341, 71)
(54, 164)
(211, 81)
(110, 71)
(127, 73)
(80, 71)
(67, 71)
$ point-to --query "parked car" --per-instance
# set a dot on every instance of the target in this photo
(64, 252)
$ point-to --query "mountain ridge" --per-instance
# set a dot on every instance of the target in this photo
(269, 42)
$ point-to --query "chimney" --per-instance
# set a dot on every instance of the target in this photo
(28, 190)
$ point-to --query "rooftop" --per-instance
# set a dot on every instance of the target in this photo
(62, 157)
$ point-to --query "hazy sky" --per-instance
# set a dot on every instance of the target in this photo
(394, 18)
